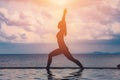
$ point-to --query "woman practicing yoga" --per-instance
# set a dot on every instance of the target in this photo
(63, 49)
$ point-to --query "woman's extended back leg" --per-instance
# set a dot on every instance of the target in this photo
(70, 57)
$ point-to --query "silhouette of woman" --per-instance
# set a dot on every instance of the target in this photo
(63, 49)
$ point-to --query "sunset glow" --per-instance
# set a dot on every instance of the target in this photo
(35, 21)
(61, 2)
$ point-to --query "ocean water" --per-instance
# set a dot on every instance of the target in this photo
(59, 74)
(40, 60)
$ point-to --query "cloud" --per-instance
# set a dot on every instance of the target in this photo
(85, 46)
(92, 20)
(27, 22)
(7, 38)
(18, 35)
(16, 28)
(115, 28)
(99, 11)
(15, 19)
(23, 36)
(93, 25)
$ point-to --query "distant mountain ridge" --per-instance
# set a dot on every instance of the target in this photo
(98, 52)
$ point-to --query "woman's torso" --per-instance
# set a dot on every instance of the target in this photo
(60, 40)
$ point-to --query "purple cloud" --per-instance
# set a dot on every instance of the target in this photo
(7, 38)
(13, 22)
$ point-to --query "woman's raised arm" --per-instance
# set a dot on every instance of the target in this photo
(64, 14)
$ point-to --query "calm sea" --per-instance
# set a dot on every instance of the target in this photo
(40, 60)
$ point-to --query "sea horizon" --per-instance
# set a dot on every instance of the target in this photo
(40, 60)
(81, 53)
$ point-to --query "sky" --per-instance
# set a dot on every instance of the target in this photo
(30, 26)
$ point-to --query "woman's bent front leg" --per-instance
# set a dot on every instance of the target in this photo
(52, 54)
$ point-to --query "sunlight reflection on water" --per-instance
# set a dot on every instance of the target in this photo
(59, 74)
